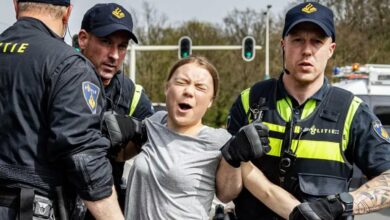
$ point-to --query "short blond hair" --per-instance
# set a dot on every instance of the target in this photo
(55, 11)
(202, 62)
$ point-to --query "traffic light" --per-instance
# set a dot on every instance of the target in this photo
(75, 42)
(185, 44)
(248, 48)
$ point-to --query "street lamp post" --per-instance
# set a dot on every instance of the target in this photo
(266, 74)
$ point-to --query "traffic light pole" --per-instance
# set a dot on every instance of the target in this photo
(134, 48)
(266, 75)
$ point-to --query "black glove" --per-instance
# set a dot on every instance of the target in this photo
(251, 142)
(121, 129)
(321, 209)
(219, 212)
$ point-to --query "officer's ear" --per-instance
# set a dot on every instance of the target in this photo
(66, 16)
(16, 8)
(332, 47)
(83, 37)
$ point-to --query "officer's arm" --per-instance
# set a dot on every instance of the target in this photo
(372, 155)
(369, 148)
(143, 110)
(106, 208)
(127, 135)
(128, 152)
(228, 179)
(274, 197)
(75, 142)
(373, 195)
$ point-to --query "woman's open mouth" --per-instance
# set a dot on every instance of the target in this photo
(185, 106)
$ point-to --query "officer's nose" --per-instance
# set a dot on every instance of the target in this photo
(114, 53)
(307, 49)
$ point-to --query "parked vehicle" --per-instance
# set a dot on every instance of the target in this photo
(371, 82)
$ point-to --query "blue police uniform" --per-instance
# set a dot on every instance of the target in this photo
(123, 96)
(368, 147)
(51, 109)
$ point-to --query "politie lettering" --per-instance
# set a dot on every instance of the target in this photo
(9, 47)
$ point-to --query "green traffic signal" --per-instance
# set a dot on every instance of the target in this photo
(185, 47)
(248, 54)
(248, 48)
(184, 54)
(75, 42)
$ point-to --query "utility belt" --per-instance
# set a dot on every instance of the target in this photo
(31, 205)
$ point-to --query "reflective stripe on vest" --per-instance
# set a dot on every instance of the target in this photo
(136, 98)
(311, 149)
(245, 101)
(348, 121)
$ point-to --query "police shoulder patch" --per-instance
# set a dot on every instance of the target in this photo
(380, 130)
(91, 94)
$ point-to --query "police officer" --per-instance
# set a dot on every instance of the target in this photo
(51, 107)
(316, 132)
(106, 30)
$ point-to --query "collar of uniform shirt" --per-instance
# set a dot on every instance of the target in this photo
(282, 92)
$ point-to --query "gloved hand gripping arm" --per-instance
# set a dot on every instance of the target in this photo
(121, 129)
(251, 142)
(328, 208)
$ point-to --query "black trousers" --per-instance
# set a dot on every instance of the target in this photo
(7, 213)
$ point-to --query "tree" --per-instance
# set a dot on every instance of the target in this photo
(362, 35)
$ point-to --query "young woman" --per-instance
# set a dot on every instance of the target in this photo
(173, 177)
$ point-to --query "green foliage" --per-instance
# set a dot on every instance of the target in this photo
(363, 29)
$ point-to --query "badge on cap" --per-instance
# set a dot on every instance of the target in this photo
(118, 13)
(91, 93)
(309, 8)
(380, 131)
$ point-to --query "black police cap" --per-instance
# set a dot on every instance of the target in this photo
(310, 12)
(104, 19)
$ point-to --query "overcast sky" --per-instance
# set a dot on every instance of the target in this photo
(176, 11)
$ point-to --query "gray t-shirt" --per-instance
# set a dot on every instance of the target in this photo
(174, 175)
